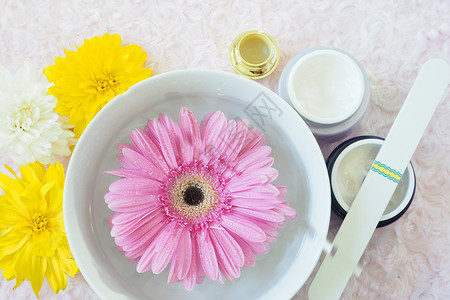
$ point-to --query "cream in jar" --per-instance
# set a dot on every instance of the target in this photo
(348, 165)
(328, 88)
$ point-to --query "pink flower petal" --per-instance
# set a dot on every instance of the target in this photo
(286, 210)
(219, 278)
(270, 228)
(131, 203)
(251, 202)
(171, 279)
(127, 203)
(190, 131)
(254, 158)
(129, 173)
(259, 248)
(229, 244)
(208, 257)
(255, 213)
(253, 139)
(256, 247)
(129, 198)
(122, 146)
(165, 245)
(136, 186)
(136, 254)
(249, 256)
(222, 142)
(133, 224)
(282, 189)
(149, 149)
(144, 263)
(132, 208)
(161, 249)
(255, 192)
(165, 144)
(204, 122)
(174, 133)
(183, 255)
(227, 267)
(269, 172)
(244, 228)
(134, 239)
(270, 239)
(210, 129)
(244, 182)
(235, 142)
(200, 271)
(122, 218)
(191, 276)
(146, 232)
(139, 161)
(187, 141)
(125, 163)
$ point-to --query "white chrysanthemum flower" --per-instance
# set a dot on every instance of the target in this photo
(30, 129)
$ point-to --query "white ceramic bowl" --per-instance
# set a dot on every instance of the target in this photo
(276, 275)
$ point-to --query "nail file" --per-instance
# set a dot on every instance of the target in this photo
(381, 181)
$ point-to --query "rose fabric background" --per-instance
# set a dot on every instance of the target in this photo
(409, 259)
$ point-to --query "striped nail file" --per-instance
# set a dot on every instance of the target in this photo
(381, 181)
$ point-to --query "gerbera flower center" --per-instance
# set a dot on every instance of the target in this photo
(39, 222)
(24, 118)
(192, 196)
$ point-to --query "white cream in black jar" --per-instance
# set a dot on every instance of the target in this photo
(347, 167)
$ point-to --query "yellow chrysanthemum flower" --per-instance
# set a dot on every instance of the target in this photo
(33, 242)
(86, 79)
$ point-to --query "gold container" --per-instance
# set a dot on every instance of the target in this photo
(254, 54)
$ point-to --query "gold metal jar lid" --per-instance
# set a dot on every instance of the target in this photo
(254, 54)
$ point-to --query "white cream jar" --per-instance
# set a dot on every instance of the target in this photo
(328, 88)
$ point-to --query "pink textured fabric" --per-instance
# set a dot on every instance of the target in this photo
(409, 259)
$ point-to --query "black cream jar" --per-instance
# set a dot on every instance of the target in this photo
(347, 167)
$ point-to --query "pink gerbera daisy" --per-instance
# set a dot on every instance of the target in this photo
(199, 197)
